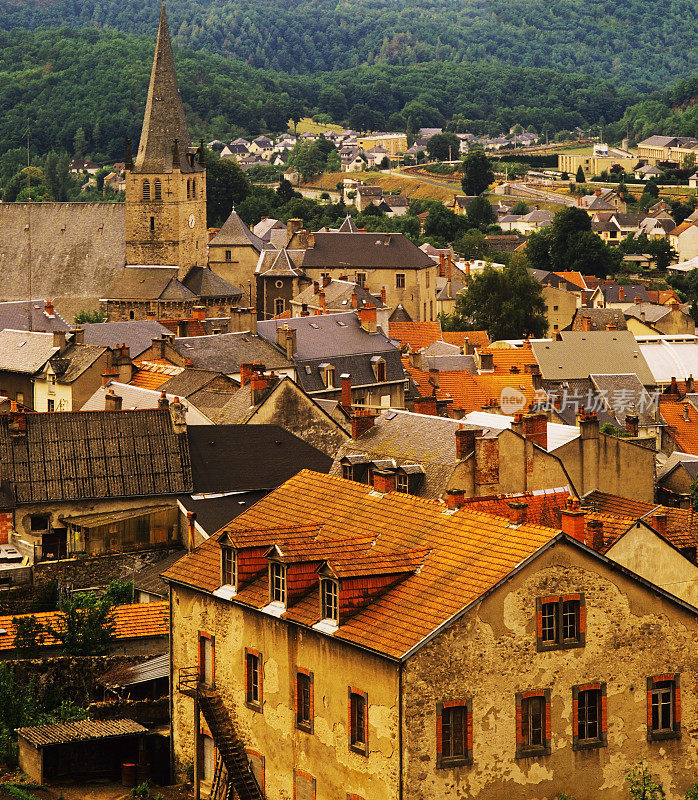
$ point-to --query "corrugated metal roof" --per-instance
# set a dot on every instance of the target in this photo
(130, 674)
(82, 731)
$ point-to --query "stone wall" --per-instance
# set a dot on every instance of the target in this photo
(66, 677)
(147, 712)
(76, 250)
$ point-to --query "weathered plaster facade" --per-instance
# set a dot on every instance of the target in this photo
(324, 754)
(490, 654)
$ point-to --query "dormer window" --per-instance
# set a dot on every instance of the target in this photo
(348, 472)
(329, 598)
(277, 583)
(378, 365)
(328, 376)
(402, 483)
(229, 567)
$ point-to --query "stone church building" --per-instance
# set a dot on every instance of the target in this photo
(138, 259)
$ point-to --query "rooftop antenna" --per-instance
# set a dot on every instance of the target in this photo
(29, 234)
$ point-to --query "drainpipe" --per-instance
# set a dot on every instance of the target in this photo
(172, 691)
(399, 730)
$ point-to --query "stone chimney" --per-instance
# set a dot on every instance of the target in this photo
(468, 347)
(535, 429)
(259, 386)
(354, 299)
(586, 322)
(659, 521)
(690, 384)
(293, 226)
(673, 387)
(158, 347)
(326, 281)
(621, 293)
(112, 402)
(316, 287)
(49, 309)
(286, 338)
(518, 512)
(442, 265)
(384, 295)
(384, 481)
(632, 424)
(593, 536)
(637, 300)
(368, 318)
(425, 405)
(465, 442)
(455, 498)
(686, 409)
(59, 340)
(611, 327)
(361, 421)
(517, 425)
(588, 426)
(572, 520)
(163, 402)
(323, 301)
(179, 421)
(78, 335)
(345, 401)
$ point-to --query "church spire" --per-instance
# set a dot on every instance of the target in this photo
(164, 120)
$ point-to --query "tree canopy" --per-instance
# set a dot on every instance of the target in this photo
(477, 173)
(507, 303)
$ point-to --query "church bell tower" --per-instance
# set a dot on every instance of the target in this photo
(166, 185)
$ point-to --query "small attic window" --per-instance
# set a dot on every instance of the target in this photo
(229, 567)
(329, 599)
(308, 370)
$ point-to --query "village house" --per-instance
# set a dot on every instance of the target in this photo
(341, 356)
(334, 296)
(307, 596)
(233, 253)
(374, 261)
(684, 239)
(108, 480)
(49, 371)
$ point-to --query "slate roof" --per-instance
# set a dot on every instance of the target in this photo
(204, 283)
(191, 380)
(599, 318)
(582, 353)
(463, 555)
(235, 233)
(338, 295)
(612, 293)
(277, 263)
(75, 360)
(649, 312)
(148, 283)
(138, 398)
(148, 578)
(623, 394)
(248, 457)
(84, 454)
(85, 730)
(137, 335)
(16, 314)
(213, 512)
(24, 352)
(409, 438)
(224, 352)
(365, 250)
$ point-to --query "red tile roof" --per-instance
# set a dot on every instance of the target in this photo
(464, 555)
(152, 373)
(415, 334)
(132, 621)
(683, 432)
(478, 339)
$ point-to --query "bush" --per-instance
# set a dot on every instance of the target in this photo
(88, 317)
(642, 785)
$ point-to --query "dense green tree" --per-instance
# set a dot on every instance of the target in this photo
(308, 158)
(80, 143)
(85, 626)
(471, 245)
(520, 207)
(507, 303)
(443, 147)
(579, 178)
(16, 187)
(477, 173)
(226, 186)
(442, 224)
(480, 213)
(11, 162)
